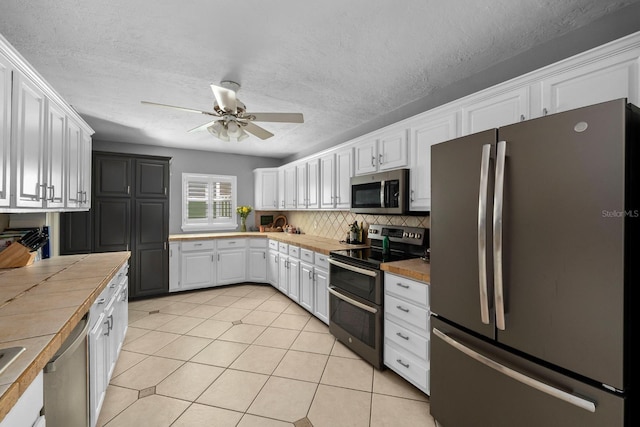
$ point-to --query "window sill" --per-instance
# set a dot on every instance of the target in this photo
(220, 227)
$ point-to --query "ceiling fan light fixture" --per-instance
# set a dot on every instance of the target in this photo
(233, 129)
(243, 135)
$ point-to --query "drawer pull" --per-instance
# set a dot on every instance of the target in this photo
(402, 285)
(101, 301)
(404, 337)
(406, 365)
(401, 308)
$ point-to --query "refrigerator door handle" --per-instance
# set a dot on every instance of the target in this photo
(498, 202)
(482, 233)
(585, 404)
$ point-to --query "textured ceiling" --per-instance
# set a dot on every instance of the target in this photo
(340, 63)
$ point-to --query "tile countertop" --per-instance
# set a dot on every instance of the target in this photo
(306, 241)
(415, 269)
(40, 305)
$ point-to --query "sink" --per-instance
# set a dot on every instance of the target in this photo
(8, 355)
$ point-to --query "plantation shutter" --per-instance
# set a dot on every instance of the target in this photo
(222, 198)
(197, 200)
(209, 202)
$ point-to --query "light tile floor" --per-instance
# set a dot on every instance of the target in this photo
(246, 355)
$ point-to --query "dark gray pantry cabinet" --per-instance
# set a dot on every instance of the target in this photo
(129, 211)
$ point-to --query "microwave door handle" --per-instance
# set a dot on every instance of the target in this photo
(383, 196)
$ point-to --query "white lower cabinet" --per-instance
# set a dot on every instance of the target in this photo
(321, 287)
(108, 325)
(197, 264)
(406, 329)
(232, 261)
(26, 411)
(174, 266)
(300, 274)
(306, 286)
(273, 264)
(257, 271)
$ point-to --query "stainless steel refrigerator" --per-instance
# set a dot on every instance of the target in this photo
(535, 253)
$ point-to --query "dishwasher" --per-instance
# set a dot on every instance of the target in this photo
(66, 390)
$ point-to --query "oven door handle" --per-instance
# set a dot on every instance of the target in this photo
(353, 268)
(339, 295)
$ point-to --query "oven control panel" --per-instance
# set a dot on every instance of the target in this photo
(410, 235)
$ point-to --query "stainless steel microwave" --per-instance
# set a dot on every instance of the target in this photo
(381, 193)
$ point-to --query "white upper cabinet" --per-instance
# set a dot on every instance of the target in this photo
(392, 148)
(39, 159)
(366, 154)
(29, 137)
(612, 78)
(5, 130)
(495, 110)
(74, 160)
(426, 132)
(313, 184)
(344, 172)
(382, 151)
(266, 189)
(336, 169)
(307, 184)
(54, 159)
(290, 188)
(328, 181)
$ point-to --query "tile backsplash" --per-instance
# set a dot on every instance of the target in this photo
(335, 224)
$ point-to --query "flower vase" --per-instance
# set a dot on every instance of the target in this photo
(243, 224)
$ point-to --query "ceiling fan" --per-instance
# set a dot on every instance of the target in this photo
(231, 117)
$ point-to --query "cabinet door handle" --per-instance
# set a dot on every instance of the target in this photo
(404, 337)
(108, 329)
(522, 117)
(100, 301)
(401, 308)
(412, 199)
(128, 189)
(406, 365)
(380, 159)
(373, 161)
(52, 193)
(402, 285)
(264, 255)
(545, 111)
(38, 191)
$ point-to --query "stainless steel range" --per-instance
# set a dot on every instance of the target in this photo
(356, 287)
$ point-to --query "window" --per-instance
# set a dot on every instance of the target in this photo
(208, 202)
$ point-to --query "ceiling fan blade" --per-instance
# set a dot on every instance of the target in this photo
(190, 110)
(204, 126)
(257, 131)
(226, 99)
(277, 117)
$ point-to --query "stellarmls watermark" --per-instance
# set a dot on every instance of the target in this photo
(635, 213)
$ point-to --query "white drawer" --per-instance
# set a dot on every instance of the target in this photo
(198, 245)
(306, 255)
(415, 343)
(283, 247)
(294, 251)
(407, 366)
(412, 290)
(407, 312)
(232, 243)
(321, 260)
(273, 244)
(258, 243)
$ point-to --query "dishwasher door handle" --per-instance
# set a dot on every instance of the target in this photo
(53, 364)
